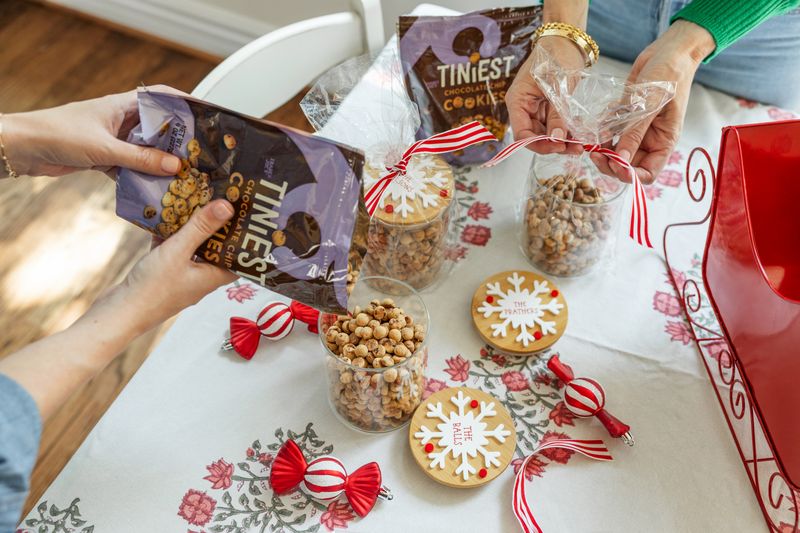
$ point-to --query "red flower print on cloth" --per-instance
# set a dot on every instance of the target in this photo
(680, 278)
(535, 467)
(197, 507)
(558, 455)
(515, 381)
(674, 158)
(455, 253)
(561, 416)
(251, 452)
(220, 474)
(458, 368)
(461, 187)
(265, 458)
(499, 360)
(776, 113)
(336, 516)
(240, 293)
(547, 379)
(431, 386)
(719, 350)
(479, 211)
(666, 303)
(652, 192)
(670, 178)
(476, 235)
(678, 331)
(786, 528)
(745, 103)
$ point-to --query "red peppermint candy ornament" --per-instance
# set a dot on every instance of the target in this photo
(585, 397)
(274, 322)
(325, 478)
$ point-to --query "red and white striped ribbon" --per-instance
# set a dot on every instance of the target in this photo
(447, 141)
(593, 449)
(639, 230)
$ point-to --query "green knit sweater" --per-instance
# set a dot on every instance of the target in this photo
(728, 20)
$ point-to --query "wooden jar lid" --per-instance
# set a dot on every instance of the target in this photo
(452, 425)
(420, 196)
(519, 312)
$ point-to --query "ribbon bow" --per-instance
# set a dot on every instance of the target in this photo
(274, 322)
(325, 478)
(441, 143)
(639, 230)
(585, 397)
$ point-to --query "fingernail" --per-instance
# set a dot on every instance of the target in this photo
(170, 164)
(557, 133)
(624, 154)
(223, 210)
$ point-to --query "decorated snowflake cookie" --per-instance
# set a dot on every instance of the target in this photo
(519, 312)
(462, 437)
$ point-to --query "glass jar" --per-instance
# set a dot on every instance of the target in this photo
(372, 396)
(408, 234)
(570, 214)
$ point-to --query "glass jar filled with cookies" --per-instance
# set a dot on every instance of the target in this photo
(410, 231)
(570, 214)
(375, 356)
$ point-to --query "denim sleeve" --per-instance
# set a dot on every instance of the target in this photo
(20, 430)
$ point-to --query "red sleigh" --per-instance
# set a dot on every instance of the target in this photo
(751, 279)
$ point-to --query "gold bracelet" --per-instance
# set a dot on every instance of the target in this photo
(582, 39)
(9, 169)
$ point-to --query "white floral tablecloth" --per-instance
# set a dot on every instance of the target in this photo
(188, 444)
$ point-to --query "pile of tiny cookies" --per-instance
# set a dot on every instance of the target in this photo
(190, 190)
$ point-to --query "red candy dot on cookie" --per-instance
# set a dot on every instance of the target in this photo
(443, 194)
(429, 447)
(389, 208)
(482, 472)
(473, 404)
(537, 335)
(489, 299)
(554, 293)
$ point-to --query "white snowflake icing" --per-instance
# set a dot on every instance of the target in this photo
(520, 308)
(419, 187)
(462, 434)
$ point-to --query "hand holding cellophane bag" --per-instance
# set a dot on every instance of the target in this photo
(570, 210)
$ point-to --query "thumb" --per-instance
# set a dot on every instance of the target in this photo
(557, 127)
(202, 225)
(627, 147)
(143, 159)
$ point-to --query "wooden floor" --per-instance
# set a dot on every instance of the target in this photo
(61, 243)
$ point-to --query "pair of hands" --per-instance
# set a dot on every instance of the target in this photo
(675, 56)
(91, 135)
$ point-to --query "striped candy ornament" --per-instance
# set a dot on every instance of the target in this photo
(584, 397)
(274, 322)
(638, 230)
(592, 449)
(441, 143)
(324, 478)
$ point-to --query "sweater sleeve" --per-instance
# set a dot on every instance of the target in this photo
(728, 21)
(20, 430)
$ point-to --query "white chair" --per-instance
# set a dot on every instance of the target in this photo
(267, 72)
